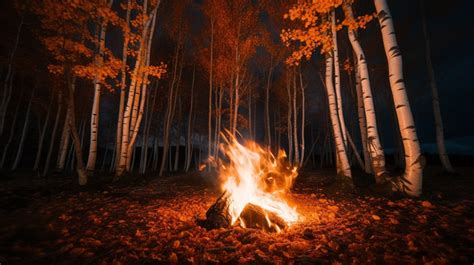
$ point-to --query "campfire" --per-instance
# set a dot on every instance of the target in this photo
(255, 183)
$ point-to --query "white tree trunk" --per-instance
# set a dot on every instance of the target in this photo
(136, 127)
(362, 122)
(130, 119)
(118, 140)
(289, 122)
(92, 157)
(375, 149)
(296, 145)
(337, 78)
(94, 128)
(209, 113)
(343, 167)
(443, 156)
(413, 176)
(302, 118)
(121, 166)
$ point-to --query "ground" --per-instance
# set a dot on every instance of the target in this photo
(153, 221)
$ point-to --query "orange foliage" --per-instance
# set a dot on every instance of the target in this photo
(236, 36)
(70, 35)
(71, 43)
(314, 27)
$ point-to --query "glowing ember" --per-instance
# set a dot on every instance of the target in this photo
(252, 175)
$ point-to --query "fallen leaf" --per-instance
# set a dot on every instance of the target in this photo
(77, 251)
(375, 217)
(173, 258)
(427, 204)
(176, 244)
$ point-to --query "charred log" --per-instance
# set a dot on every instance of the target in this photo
(218, 216)
(252, 216)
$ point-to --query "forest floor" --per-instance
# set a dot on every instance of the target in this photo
(153, 220)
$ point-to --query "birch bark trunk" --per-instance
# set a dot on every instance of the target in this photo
(123, 84)
(343, 167)
(95, 114)
(302, 118)
(362, 122)
(337, 78)
(296, 146)
(132, 117)
(209, 113)
(411, 182)
(289, 115)
(377, 156)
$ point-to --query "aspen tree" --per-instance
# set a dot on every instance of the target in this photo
(411, 182)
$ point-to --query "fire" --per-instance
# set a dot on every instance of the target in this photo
(253, 175)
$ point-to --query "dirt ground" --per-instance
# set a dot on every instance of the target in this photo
(152, 221)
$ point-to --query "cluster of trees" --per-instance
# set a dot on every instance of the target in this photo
(141, 78)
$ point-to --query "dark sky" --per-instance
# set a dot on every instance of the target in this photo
(451, 30)
(451, 26)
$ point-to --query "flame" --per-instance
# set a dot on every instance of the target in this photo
(252, 174)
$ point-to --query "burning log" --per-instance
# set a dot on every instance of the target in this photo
(254, 181)
(252, 216)
(218, 216)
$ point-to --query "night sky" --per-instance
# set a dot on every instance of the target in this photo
(451, 29)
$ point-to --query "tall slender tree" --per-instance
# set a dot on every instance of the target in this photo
(411, 182)
(443, 156)
(98, 62)
(372, 142)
